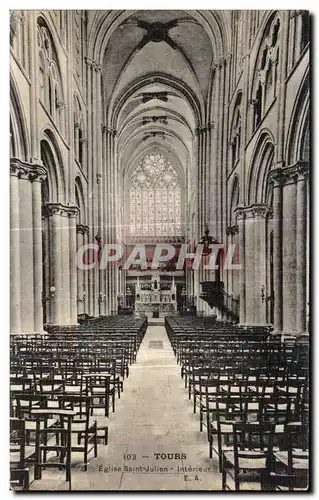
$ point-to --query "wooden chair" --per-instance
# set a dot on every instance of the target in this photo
(208, 403)
(73, 381)
(290, 464)
(228, 410)
(251, 454)
(48, 385)
(83, 426)
(28, 402)
(45, 442)
(19, 472)
(102, 383)
(97, 386)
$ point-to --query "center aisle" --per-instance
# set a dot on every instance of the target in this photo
(153, 416)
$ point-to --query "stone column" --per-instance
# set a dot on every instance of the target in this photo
(240, 214)
(72, 264)
(301, 247)
(26, 246)
(14, 253)
(108, 218)
(65, 263)
(260, 214)
(97, 161)
(33, 53)
(249, 264)
(26, 256)
(104, 205)
(235, 273)
(92, 222)
(55, 252)
(229, 233)
(275, 178)
(254, 262)
(289, 255)
(86, 273)
(62, 272)
(80, 232)
(112, 195)
(37, 251)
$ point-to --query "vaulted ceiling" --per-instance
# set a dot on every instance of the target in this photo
(157, 80)
(171, 42)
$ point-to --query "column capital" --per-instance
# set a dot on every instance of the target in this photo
(240, 213)
(289, 174)
(73, 211)
(52, 208)
(275, 176)
(260, 210)
(262, 76)
(30, 171)
(60, 103)
(232, 230)
(92, 64)
(252, 212)
(82, 229)
(227, 57)
(297, 171)
(222, 60)
(108, 130)
(204, 128)
(296, 13)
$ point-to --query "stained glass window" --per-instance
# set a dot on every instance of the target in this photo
(155, 198)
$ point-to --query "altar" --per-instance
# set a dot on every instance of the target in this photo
(155, 299)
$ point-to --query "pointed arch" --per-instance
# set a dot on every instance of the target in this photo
(235, 131)
(51, 82)
(299, 128)
(19, 144)
(78, 131)
(234, 200)
(52, 159)
(80, 200)
(264, 67)
(262, 159)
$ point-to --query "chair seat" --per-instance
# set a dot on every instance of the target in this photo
(249, 461)
(281, 407)
(15, 453)
(291, 390)
(102, 421)
(298, 462)
(16, 387)
(53, 404)
(48, 388)
(78, 425)
(99, 390)
(224, 428)
(30, 425)
(73, 389)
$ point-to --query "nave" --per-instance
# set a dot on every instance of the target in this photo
(161, 420)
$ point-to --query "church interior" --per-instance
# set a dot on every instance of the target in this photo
(159, 250)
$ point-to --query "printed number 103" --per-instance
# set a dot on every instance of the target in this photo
(129, 456)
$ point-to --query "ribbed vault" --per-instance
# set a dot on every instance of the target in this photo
(158, 76)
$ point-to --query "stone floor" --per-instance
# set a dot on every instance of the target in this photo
(153, 419)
